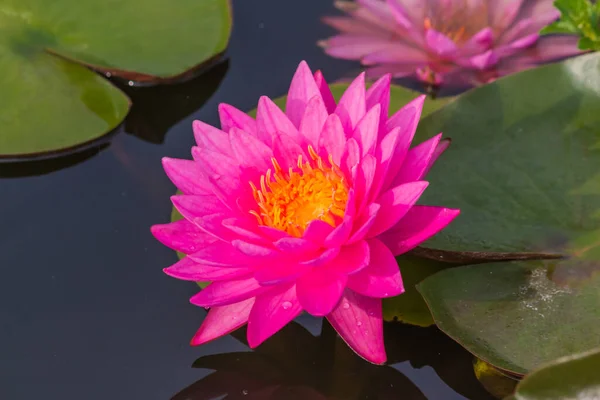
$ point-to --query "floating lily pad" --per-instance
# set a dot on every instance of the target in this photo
(52, 101)
(524, 168)
(572, 377)
(493, 380)
(410, 307)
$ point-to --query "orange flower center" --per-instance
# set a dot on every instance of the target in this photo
(290, 201)
(458, 19)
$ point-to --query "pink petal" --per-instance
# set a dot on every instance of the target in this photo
(222, 293)
(191, 206)
(220, 321)
(367, 130)
(325, 92)
(271, 121)
(313, 120)
(379, 93)
(272, 233)
(332, 138)
(231, 117)
(479, 43)
(296, 246)
(440, 43)
(322, 259)
(380, 10)
(182, 236)
(216, 165)
(364, 180)
(351, 259)
(249, 151)
(341, 233)
(271, 312)
(221, 254)
(399, 13)
(401, 53)
(550, 48)
(189, 270)
(365, 222)
(417, 161)
(186, 175)
(255, 250)
(484, 61)
(319, 292)
(352, 106)
(317, 231)
(286, 151)
(413, 10)
(279, 272)
(419, 224)
(385, 154)
(213, 224)
(395, 203)
(350, 156)
(245, 230)
(541, 12)
(381, 278)
(302, 89)
(503, 13)
(355, 47)
(358, 320)
(211, 137)
(518, 30)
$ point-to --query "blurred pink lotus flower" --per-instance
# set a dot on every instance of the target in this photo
(303, 211)
(458, 42)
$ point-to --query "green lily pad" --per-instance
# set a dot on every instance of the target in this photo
(52, 101)
(410, 307)
(493, 380)
(572, 377)
(524, 168)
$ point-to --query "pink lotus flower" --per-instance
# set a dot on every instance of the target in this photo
(303, 211)
(448, 41)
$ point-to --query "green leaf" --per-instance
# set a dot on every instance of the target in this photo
(577, 17)
(572, 377)
(410, 307)
(494, 381)
(51, 100)
(524, 168)
(560, 26)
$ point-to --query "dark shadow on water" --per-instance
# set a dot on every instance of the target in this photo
(294, 364)
(20, 169)
(157, 108)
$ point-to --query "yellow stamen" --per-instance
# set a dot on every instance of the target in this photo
(290, 201)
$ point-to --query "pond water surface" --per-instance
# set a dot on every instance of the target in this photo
(86, 312)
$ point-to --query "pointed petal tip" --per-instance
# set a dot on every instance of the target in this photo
(304, 65)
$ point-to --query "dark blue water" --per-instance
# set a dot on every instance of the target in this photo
(86, 312)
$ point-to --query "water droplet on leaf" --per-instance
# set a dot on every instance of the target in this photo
(346, 306)
(286, 305)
